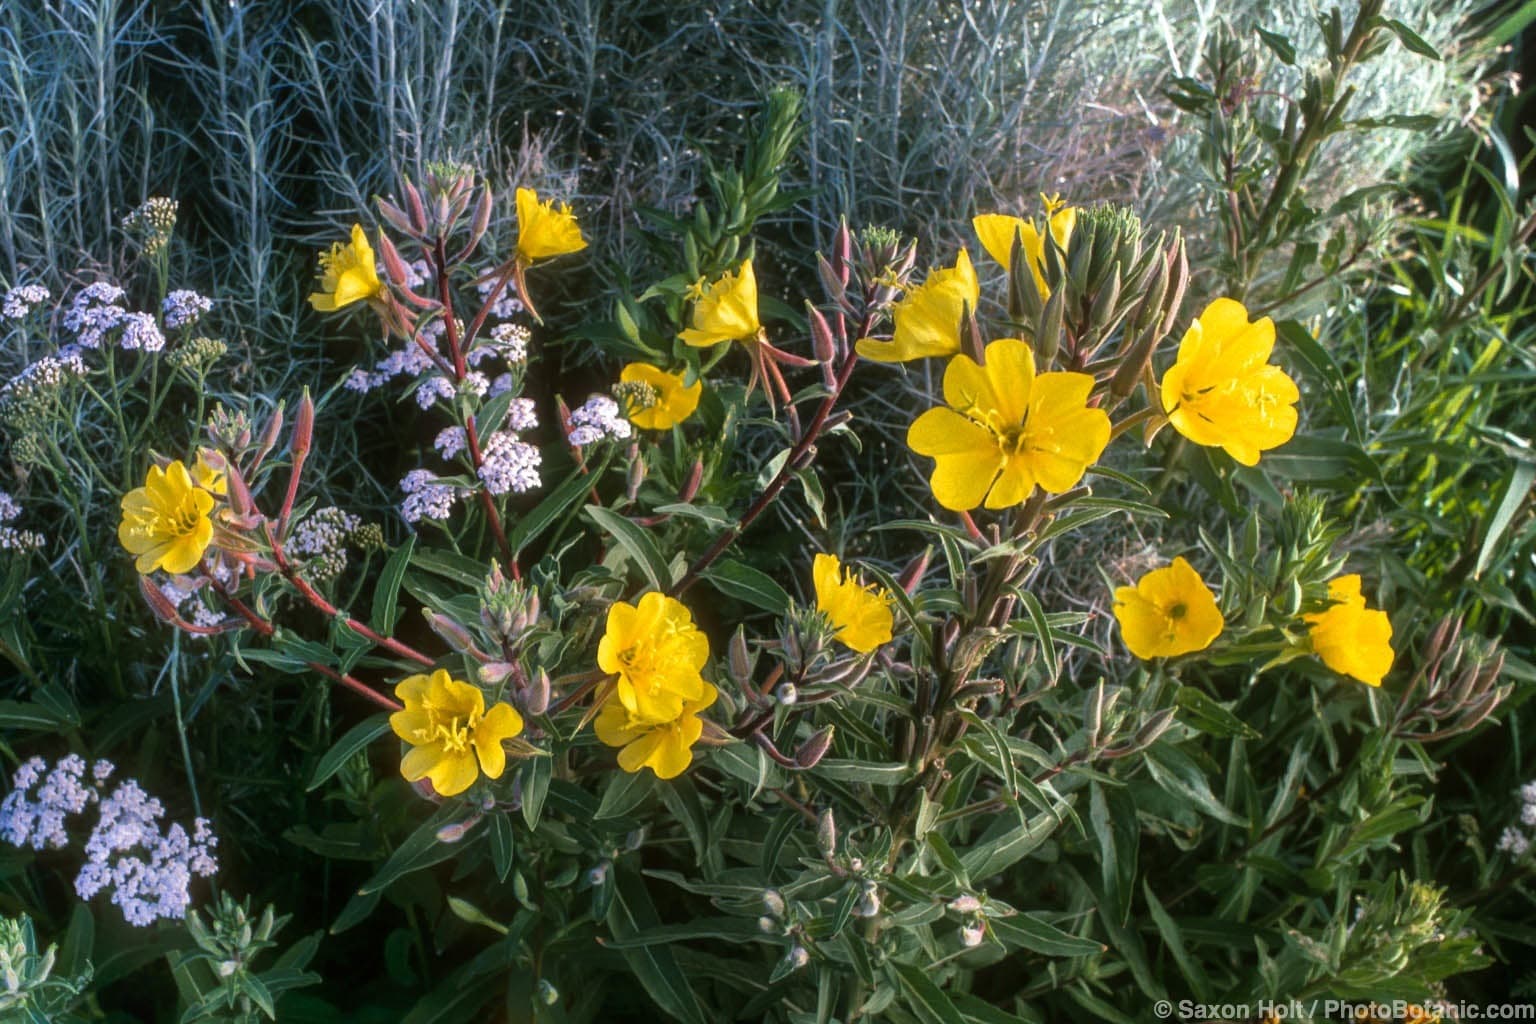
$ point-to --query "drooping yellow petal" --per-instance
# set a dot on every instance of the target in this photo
(348, 273)
(501, 722)
(860, 615)
(927, 321)
(545, 230)
(1352, 639)
(726, 310)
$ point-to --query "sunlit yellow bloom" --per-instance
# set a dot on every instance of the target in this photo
(928, 318)
(543, 230)
(1170, 611)
(725, 310)
(997, 231)
(663, 747)
(1352, 639)
(860, 614)
(675, 401)
(214, 481)
(453, 737)
(166, 522)
(1222, 392)
(348, 273)
(1008, 430)
(657, 652)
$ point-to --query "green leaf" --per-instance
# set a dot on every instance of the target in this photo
(1409, 38)
(1034, 933)
(386, 593)
(1173, 941)
(1176, 772)
(1516, 487)
(502, 845)
(421, 849)
(559, 501)
(748, 585)
(1042, 631)
(355, 739)
(535, 789)
(1282, 46)
(925, 1000)
(1202, 711)
(636, 542)
(630, 916)
(29, 716)
(488, 419)
(451, 565)
(625, 792)
(862, 771)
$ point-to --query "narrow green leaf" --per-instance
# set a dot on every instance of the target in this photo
(386, 593)
(421, 849)
(1034, 933)
(748, 585)
(354, 739)
(926, 1001)
(636, 542)
(532, 525)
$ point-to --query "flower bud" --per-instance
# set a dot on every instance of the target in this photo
(455, 831)
(868, 903)
(971, 934)
(535, 696)
(912, 576)
(797, 957)
(547, 993)
(814, 749)
(598, 875)
(773, 902)
(691, 484)
(394, 266)
(966, 904)
(768, 925)
(456, 635)
(739, 659)
(787, 694)
(826, 833)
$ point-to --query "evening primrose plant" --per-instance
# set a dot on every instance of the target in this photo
(648, 747)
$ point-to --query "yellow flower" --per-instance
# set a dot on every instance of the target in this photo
(1352, 639)
(657, 652)
(348, 274)
(544, 231)
(665, 747)
(166, 522)
(1170, 611)
(1222, 392)
(210, 479)
(453, 737)
(726, 310)
(860, 614)
(674, 403)
(928, 319)
(997, 232)
(1007, 430)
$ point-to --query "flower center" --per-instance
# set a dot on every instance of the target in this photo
(1177, 611)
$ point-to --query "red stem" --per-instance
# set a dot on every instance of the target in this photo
(314, 597)
(791, 464)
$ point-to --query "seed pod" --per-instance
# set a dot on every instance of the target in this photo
(814, 749)
(826, 833)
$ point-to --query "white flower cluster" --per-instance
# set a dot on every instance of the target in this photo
(190, 605)
(184, 307)
(12, 539)
(96, 310)
(1516, 840)
(509, 464)
(509, 341)
(321, 541)
(24, 300)
(426, 497)
(140, 332)
(148, 870)
(597, 419)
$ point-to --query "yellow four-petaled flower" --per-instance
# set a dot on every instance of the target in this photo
(453, 736)
(1222, 392)
(675, 399)
(1170, 611)
(665, 747)
(859, 613)
(1008, 430)
(167, 522)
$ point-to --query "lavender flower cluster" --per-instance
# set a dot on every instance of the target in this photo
(24, 300)
(321, 541)
(148, 870)
(12, 539)
(426, 497)
(184, 307)
(1517, 840)
(597, 419)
